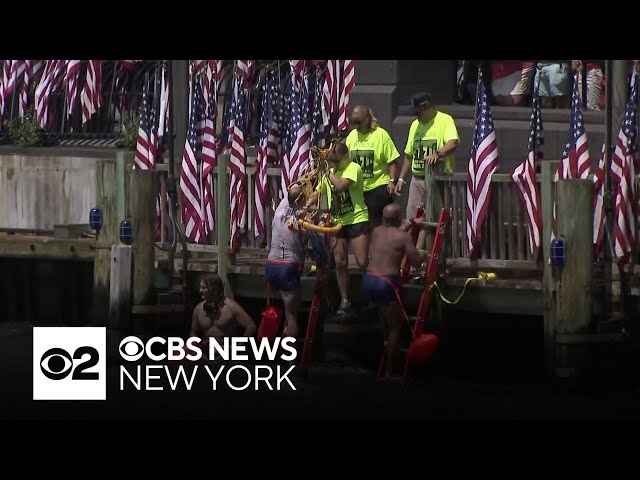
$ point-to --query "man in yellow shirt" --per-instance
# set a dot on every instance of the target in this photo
(371, 147)
(432, 139)
(344, 189)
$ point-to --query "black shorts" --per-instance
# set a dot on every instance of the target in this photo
(353, 231)
(376, 200)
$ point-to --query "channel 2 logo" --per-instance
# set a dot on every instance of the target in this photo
(69, 363)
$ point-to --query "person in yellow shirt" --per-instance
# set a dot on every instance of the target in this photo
(344, 189)
(432, 139)
(371, 147)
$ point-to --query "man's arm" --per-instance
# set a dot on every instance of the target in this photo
(415, 257)
(406, 165)
(244, 320)
(448, 148)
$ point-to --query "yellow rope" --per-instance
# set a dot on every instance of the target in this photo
(481, 276)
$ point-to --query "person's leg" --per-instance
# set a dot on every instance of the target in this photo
(560, 84)
(393, 320)
(594, 89)
(361, 249)
(541, 81)
(341, 256)
(521, 88)
(416, 198)
(376, 200)
(291, 302)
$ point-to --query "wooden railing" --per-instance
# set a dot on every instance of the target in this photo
(505, 233)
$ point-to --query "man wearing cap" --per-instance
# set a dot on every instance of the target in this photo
(433, 137)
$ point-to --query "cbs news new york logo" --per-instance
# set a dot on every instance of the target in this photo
(69, 363)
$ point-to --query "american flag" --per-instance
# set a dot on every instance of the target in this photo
(330, 93)
(209, 156)
(624, 166)
(575, 161)
(297, 70)
(599, 214)
(91, 97)
(49, 83)
(71, 82)
(524, 176)
(142, 159)
(277, 142)
(300, 133)
(190, 194)
(24, 92)
(6, 69)
(238, 159)
(482, 164)
(267, 150)
(349, 81)
(318, 130)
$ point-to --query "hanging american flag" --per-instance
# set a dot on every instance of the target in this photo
(624, 166)
(71, 82)
(16, 73)
(141, 160)
(209, 157)
(6, 69)
(238, 159)
(575, 161)
(49, 83)
(91, 97)
(24, 92)
(297, 69)
(318, 131)
(599, 214)
(298, 157)
(349, 81)
(482, 164)
(330, 94)
(524, 175)
(190, 193)
(267, 150)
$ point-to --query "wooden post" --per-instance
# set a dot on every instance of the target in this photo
(143, 189)
(548, 293)
(433, 203)
(222, 222)
(120, 291)
(111, 198)
(574, 213)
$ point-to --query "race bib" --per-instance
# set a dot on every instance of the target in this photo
(364, 158)
(343, 204)
(421, 150)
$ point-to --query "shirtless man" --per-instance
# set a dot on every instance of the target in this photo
(286, 259)
(389, 243)
(217, 316)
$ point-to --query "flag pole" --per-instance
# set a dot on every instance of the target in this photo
(608, 135)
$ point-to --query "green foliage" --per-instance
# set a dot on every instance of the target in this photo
(129, 133)
(25, 131)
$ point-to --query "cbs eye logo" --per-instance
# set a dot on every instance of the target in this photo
(131, 349)
(57, 364)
